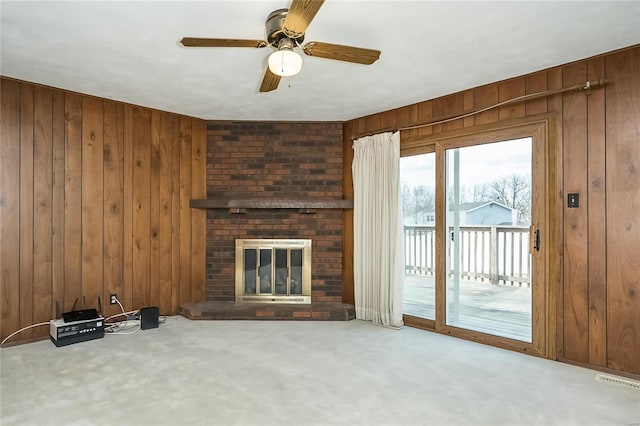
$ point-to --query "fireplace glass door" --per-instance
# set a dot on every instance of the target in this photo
(274, 271)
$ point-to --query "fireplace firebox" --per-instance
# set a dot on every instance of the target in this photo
(273, 271)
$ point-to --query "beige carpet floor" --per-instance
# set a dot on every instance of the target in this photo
(298, 373)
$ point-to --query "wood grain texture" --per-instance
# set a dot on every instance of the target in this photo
(26, 207)
(72, 200)
(597, 225)
(507, 90)
(127, 205)
(10, 305)
(198, 217)
(468, 103)
(556, 203)
(92, 200)
(141, 207)
(175, 213)
(388, 120)
(623, 205)
(576, 312)
(536, 83)
(164, 224)
(425, 114)
(70, 221)
(485, 96)
(154, 208)
(453, 105)
(185, 212)
(436, 113)
(57, 203)
(42, 212)
(113, 204)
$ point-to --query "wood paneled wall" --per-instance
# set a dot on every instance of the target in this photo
(598, 156)
(94, 200)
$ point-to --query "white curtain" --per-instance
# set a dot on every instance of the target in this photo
(377, 227)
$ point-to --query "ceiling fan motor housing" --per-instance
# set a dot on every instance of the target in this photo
(274, 25)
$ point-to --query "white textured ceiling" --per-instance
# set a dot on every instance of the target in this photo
(130, 51)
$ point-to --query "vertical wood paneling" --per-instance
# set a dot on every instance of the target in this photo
(388, 119)
(76, 198)
(161, 238)
(198, 216)
(175, 213)
(57, 228)
(485, 96)
(507, 90)
(468, 102)
(372, 123)
(113, 204)
(436, 112)
(554, 104)
(623, 211)
(92, 200)
(414, 114)
(185, 213)
(10, 303)
(72, 200)
(425, 115)
(166, 238)
(154, 208)
(26, 207)
(597, 232)
(127, 204)
(141, 206)
(576, 314)
(536, 83)
(42, 199)
(453, 105)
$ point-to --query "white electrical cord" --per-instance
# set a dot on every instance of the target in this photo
(23, 329)
(124, 332)
(112, 327)
(122, 314)
(118, 302)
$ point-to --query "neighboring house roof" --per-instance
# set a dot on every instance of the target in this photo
(425, 216)
(473, 206)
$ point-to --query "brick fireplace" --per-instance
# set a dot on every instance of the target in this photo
(267, 161)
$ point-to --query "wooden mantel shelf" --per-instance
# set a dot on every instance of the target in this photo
(240, 206)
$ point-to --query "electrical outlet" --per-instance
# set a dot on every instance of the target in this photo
(113, 299)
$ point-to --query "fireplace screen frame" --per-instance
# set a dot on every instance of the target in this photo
(272, 244)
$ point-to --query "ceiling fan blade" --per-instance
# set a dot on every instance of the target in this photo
(339, 52)
(221, 42)
(269, 82)
(300, 15)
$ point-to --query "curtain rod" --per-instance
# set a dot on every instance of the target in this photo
(586, 88)
(579, 87)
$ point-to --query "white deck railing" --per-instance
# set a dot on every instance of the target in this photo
(498, 254)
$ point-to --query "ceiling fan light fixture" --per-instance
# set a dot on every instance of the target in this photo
(285, 62)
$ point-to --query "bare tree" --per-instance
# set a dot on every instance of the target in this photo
(417, 199)
(513, 191)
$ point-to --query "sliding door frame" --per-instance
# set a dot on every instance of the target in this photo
(545, 209)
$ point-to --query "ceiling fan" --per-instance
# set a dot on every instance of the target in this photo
(285, 32)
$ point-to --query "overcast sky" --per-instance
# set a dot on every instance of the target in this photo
(478, 164)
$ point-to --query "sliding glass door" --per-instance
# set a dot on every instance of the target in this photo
(475, 235)
(488, 217)
(417, 177)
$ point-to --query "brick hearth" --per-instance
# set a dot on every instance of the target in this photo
(264, 311)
